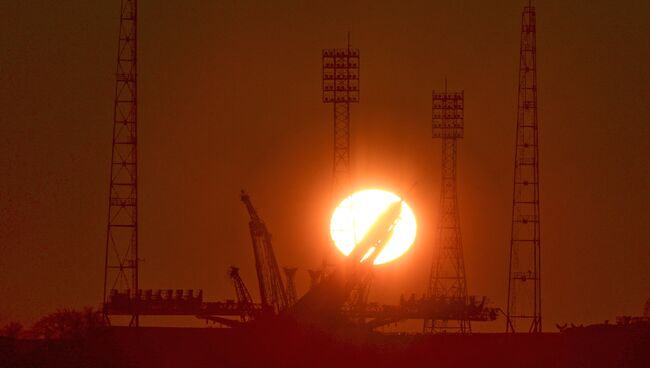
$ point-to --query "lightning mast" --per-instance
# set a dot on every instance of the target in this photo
(121, 258)
(524, 311)
(341, 88)
(447, 282)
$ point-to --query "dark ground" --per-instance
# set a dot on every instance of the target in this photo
(593, 346)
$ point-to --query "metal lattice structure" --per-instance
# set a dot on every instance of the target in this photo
(358, 300)
(272, 292)
(341, 88)
(447, 281)
(121, 259)
(290, 273)
(244, 298)
(524, 311)
(315, 277)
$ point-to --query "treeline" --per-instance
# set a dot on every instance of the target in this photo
(62, 324)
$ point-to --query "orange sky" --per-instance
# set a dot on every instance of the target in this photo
(230, 99)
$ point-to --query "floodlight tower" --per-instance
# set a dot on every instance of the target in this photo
(121, 259)
(524, 311)
(341, 88)
(447, 281)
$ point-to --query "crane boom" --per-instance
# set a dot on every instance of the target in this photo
(290, 273)
(272, 292)
(243, 296)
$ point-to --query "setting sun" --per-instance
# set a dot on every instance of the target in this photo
(356, 215)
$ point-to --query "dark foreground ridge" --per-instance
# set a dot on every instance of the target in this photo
(592, 346)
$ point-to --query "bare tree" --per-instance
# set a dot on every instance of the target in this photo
(67, 324)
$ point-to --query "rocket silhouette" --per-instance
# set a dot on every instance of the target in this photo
(379, 234)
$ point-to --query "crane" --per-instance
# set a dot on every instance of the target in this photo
(272, 292)
(244, 299)
(290, 273)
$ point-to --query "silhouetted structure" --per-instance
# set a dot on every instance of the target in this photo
(314, 277)
(341, 294)
(341, 88)
(290, 273)
(524, 311)
(448, 280)
(331, 302)
(359, 296)
(272, 292)
(322, 305)
(121, 258)
(244, 298)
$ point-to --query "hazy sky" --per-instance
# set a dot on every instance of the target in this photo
(230, 98)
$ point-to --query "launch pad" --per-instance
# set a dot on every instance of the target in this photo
(329, 300)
